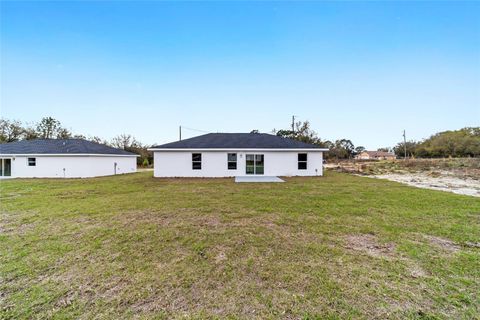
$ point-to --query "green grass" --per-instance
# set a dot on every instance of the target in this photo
(332, 247)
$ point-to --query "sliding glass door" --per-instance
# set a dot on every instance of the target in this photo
(5, 167)
(254, 163)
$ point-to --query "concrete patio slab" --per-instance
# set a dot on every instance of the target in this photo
(258, 179)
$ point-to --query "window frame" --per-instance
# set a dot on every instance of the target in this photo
(301, 163)
(232, 162)
(196, 162)
(29, 162)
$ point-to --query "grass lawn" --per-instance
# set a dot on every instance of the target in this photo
(338, 246)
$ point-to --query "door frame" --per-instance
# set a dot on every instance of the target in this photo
(2, 164)
(255, 163)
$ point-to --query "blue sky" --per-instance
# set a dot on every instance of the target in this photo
(358, 70)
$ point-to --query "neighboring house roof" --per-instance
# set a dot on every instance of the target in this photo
(60, 146)
(238, 141)
(379, 154)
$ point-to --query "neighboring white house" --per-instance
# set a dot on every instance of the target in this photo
(237, 154)
(63, 158)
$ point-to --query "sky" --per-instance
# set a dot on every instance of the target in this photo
(364, 71)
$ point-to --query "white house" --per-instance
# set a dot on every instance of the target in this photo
(237, 154)
(63, 158)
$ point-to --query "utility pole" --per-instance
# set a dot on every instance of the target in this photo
(405, 145)
(180, 132)
(293, 124)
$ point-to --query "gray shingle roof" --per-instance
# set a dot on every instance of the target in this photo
(237, 141)
(59, 146)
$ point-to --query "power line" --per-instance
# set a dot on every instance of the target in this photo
(192, 129)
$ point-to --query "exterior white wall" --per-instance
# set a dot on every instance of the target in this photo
(214, 163)
(75, 166)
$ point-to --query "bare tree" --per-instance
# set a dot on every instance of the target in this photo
(10, 130)
(63, 133)
(47, 128)
(125, 141)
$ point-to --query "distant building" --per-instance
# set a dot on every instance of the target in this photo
(375, 155)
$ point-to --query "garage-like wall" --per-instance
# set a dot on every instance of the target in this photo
(72, 166)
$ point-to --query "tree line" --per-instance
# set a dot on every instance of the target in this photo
(51, 128)
(338, 149)
(453, 143)
(457, 143)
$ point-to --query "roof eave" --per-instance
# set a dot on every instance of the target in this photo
(239, 149)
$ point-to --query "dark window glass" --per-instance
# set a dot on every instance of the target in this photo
(196, 161)
(32, 162)
(7, 167)
(250, 163)
(197, 166)
(232, 161)
(196, 157)
(302, 157)
(259, 163)
(302, 161)
(302, 166)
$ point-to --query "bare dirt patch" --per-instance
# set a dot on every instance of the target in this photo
(445, 244)
(417, 272)
(460, 176)
(465, 186)
(369, 244)
(10, 227)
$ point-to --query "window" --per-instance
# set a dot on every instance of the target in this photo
(302, 161)
(196, 161)
(32, 162)
(232, 161)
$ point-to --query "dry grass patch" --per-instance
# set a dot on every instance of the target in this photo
(445, 244)
(368, 243)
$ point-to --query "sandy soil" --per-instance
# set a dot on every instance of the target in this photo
(446, 182)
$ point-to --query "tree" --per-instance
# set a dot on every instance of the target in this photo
(340, 149)
(125, 141)
(302, 133)
(99, 140)
(128, 143)
(10, 131)
(30, 133)
(385, 149)
(455, 143)
(63, 133)
(399, 149)
(458, 143)
(359, 149)
(47, 128)
(347, 146)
